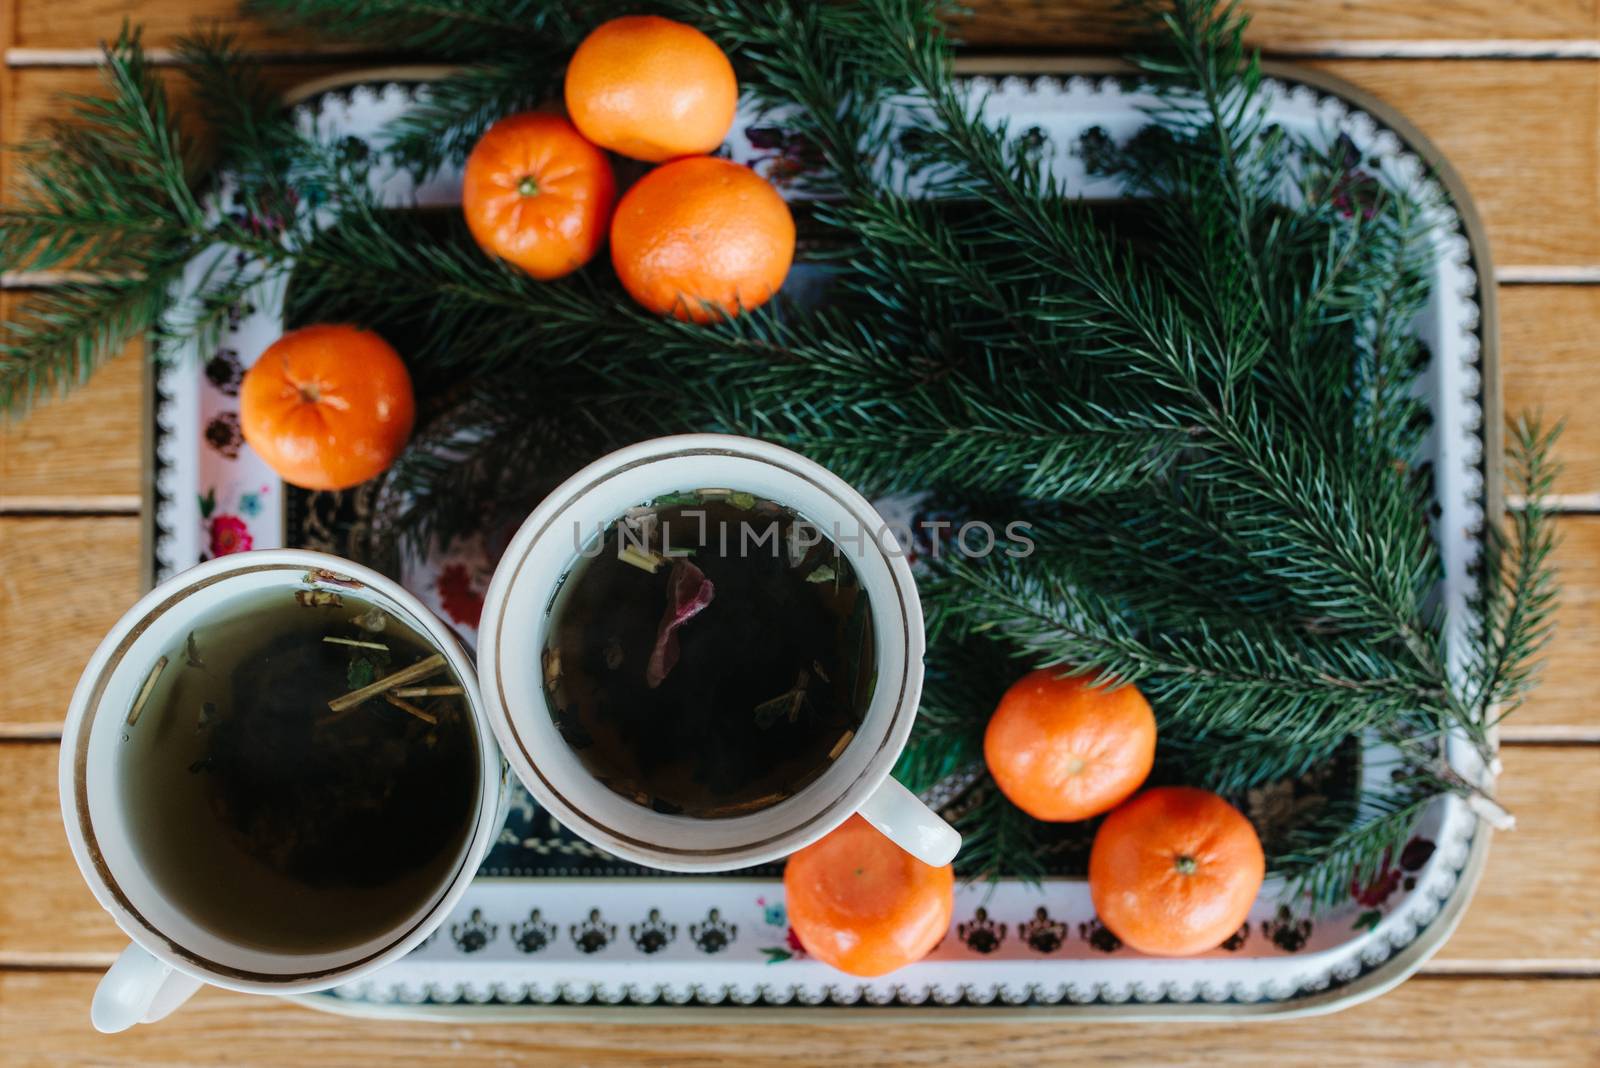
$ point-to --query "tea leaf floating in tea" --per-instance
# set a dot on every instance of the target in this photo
(689, 592)
(722, 684)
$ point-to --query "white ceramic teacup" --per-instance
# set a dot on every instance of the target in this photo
(517, 617)
(172, 953)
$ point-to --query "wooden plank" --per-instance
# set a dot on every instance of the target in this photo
(1283, 25)
(1540, 894)
(76, 24)
(1566, 693)
(1549, 365)
(1297, 26)
(1526, 1023)
(66, 581)
(1547, 362)
(1524, 136)
(1545, 328)
(83, 447)
(57, 921)
(1535, 906)
(35, 98)
(69, 579)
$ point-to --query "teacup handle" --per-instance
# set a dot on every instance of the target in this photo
(911, 825)
(139, 989)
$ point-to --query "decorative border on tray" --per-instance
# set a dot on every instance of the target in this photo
(1431, 905)
(502, 928)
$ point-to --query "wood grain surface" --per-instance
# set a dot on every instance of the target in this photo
(1552, 858)
(79, 450)
(38, 94)
(1514, 1024)
(87, 446)
(1525, 136)
(1443, 1022)
(1509, 91)
(66, 580)
(1549, 365)
(1284, 25)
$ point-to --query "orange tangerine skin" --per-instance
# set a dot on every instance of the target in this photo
(1138, 879)
(1062, 749)
(537, 195)
(327, 406)
(652, 89)
(862, 904)
(701, 238)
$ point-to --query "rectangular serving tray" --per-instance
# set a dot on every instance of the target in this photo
(553, 928)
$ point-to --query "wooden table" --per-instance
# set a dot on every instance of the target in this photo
(1509, 91)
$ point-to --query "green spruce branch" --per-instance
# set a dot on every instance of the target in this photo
(1515, 599)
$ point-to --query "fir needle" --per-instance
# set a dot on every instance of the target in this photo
(357, 644)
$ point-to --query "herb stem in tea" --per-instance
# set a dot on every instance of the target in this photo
(415, 673)
(643, 561)
(357, 644)
(406, 706)
(429, 691)
(144, 691)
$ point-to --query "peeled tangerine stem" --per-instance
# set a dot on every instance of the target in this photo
(1185, 865)
(528, 186)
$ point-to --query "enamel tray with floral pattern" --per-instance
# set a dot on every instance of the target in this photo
(552, 927)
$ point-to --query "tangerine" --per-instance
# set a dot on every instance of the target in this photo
(1061, 748)
(1174, 871)
(864, 905)
(327, 406)
(537, 195)
(699, 238)
(651, 88)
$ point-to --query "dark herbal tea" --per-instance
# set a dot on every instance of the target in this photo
(710, 654)
(301, 772)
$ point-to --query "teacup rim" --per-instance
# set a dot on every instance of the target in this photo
(73, 771)
(509, 581)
